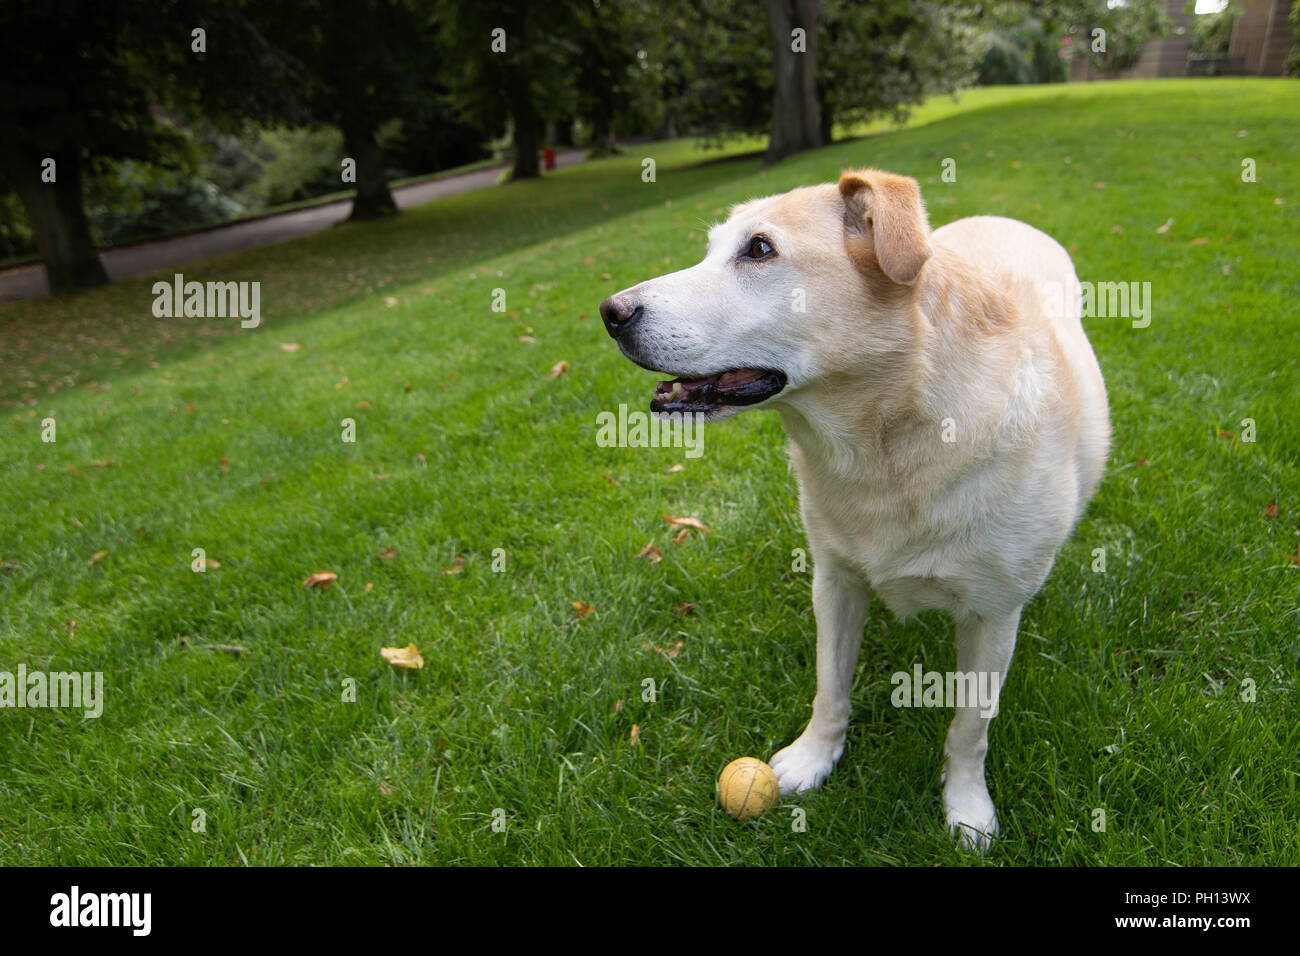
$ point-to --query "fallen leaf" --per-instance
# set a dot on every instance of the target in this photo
(527, 340)
(676, 522)
(389, 301)
(289, 346)
(1271, 510)
(1118, 230)
(209, 564)
(618, 706)
(387, 553)
(408, 656)
(636, 734)
(321, 579)
(97, 557)
(582, 610)
(370, 586)
(1099, 185)
(681, 536)
(363, 406)
(559, 368)
(684, 608)
(225, 464)
(1199, 241)
(457, 566)
(675, 468)
(651, 554)
(1165, 228)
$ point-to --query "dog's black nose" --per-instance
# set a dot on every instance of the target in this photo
(618, 314)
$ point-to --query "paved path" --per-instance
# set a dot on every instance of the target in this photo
(28, 282)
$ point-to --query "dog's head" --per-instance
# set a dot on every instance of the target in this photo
(793, 288)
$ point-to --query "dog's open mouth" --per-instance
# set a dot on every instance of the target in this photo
(742, 386)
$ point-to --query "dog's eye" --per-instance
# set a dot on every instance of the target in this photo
(759, 248)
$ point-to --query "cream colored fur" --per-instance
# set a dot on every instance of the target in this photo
(948, 425)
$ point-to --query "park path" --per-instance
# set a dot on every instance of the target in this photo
(28, 282)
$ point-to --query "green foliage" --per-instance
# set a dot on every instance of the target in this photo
(1294, 18)
(15, 234)
(130, 200)
(1128, 28)
(1212, 32)
(295, 164)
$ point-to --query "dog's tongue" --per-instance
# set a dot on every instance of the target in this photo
(738, 378)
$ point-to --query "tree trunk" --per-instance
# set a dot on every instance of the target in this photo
(524, 116)
(373, 198)
(603, 141)
(795, 123)
(56, 214)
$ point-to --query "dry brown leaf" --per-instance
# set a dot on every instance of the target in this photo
(636, 734)
(681, 536)
(225, 464)
(676, 522)
(387, 553)
(651, 553)
(559, 368)
(363, 406)
(321, 579)
(684, 608)
(675, 468)
(97, 557)
(408, 656)
(457, 566)
(582, 610)
(1271, 510)
(289, 346)
(210, 565)
(527, 340)
(370, 586)
(618, 706)
(1199, 241)
(1168, 223)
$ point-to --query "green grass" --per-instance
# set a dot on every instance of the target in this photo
(1125, 694)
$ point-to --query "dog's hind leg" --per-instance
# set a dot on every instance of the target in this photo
(984, 648)
(840, 602)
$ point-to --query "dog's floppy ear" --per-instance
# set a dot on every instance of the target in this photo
(887, 226)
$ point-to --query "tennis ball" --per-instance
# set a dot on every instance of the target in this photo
(747, 787)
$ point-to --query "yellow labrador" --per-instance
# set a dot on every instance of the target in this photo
(946, 414)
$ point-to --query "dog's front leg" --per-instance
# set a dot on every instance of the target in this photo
(840, 601)
(984, 648)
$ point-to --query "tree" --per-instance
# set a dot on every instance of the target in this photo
(795, 122)
(78, 84)
(507, 57)
(359, 60)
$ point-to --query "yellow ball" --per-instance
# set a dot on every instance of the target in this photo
(747, 787)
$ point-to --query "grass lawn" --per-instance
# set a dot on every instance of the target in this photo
(174, 434)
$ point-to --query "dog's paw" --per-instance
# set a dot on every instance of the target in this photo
(972, 819)
(805, 764)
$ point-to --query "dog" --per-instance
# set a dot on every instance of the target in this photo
(946, 416)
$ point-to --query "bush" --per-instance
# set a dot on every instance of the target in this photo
(15, 235)
(131, 200)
